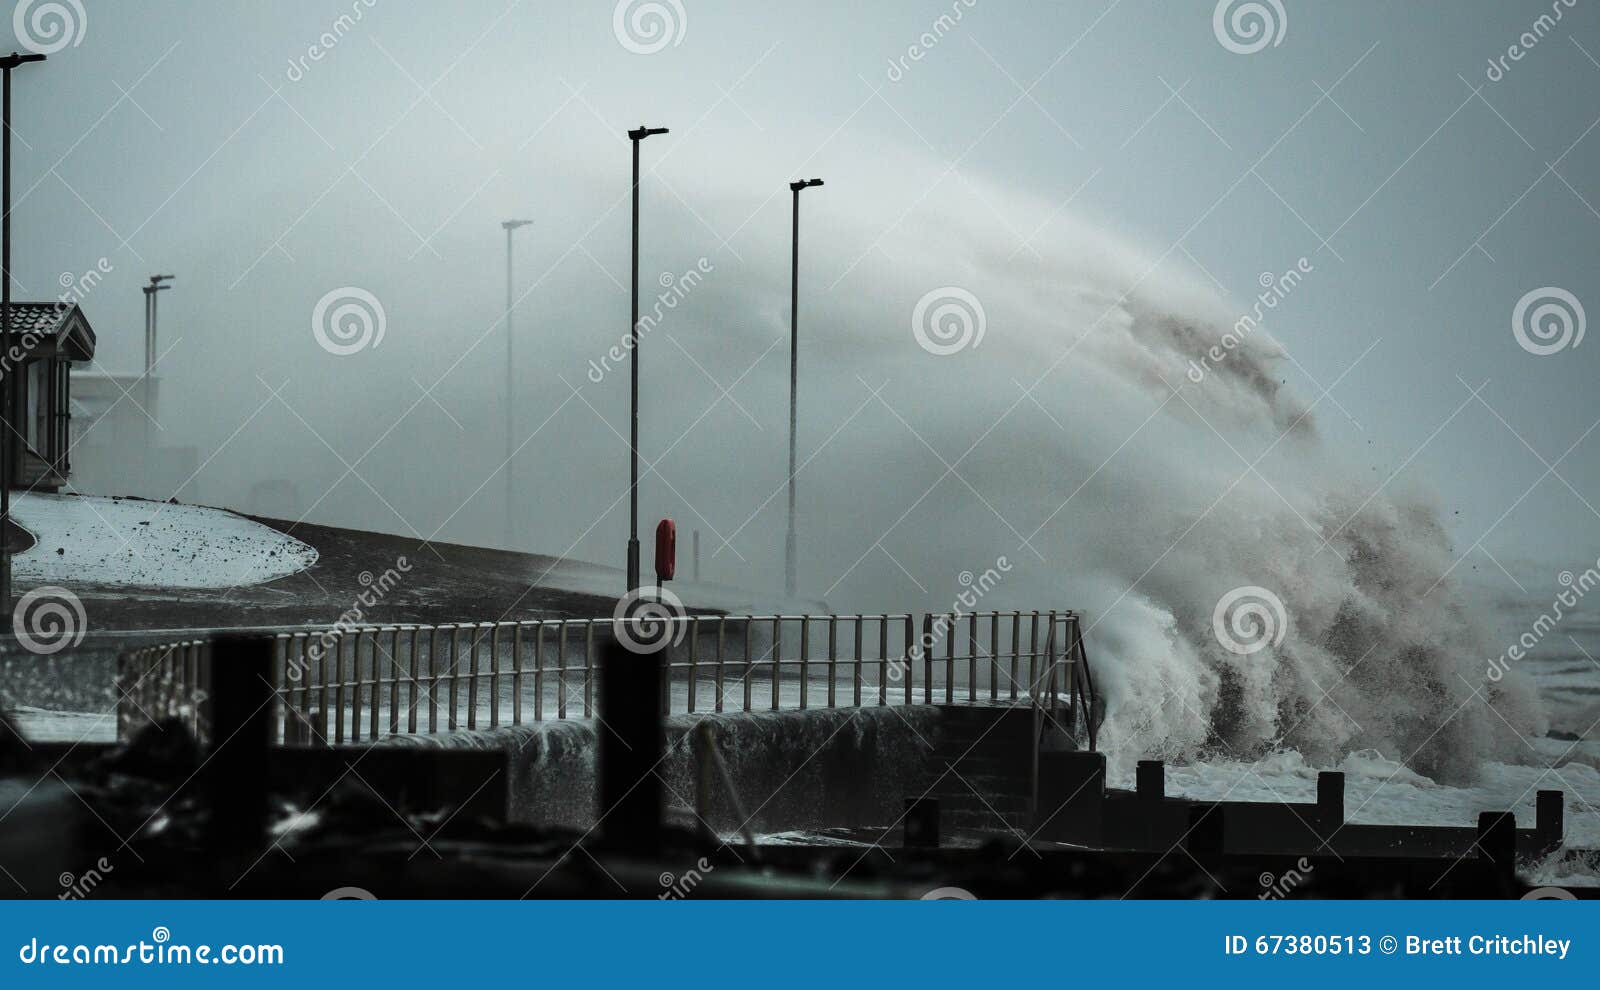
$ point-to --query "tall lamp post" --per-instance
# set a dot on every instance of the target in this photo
(794, 362)
(10, 452)
(636, 135)
(511, 529)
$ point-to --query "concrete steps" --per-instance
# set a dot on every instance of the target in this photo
(982, 767)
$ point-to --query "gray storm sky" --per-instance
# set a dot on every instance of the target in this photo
(175, 136)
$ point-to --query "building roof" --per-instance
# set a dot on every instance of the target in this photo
(61, 323)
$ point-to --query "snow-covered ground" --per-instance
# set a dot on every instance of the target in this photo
(87, 539)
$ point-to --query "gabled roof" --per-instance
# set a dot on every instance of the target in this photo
(63, 324)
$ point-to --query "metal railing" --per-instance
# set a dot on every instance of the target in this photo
(353, 684)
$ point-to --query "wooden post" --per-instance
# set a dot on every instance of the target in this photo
(235, 772)
(631, 746)
(1151, 780)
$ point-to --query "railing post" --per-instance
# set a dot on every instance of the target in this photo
(749, 661)
(972, 657)
(516, 674)
(805, 658)
(694, 658)
(883, 660)
(1016, 651)
(1051, 646)
(394, 682)
(338, 693)
(911, 630)
(538, 671)
(375, 700)
(833, 658)
(950, 660)
(777, 659)
(861, 660)
(473, 669)
(926, 649)
(455, 674)
(494, 676)
(561, 669)
(722, 627)
(1033, 656)
(433, 679)
(588, 669)
(416, 682)
(994, 656)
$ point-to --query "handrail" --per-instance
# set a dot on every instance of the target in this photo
(346, 682)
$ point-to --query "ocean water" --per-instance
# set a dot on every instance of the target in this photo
(1564, 665)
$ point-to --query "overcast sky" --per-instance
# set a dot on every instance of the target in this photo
(1026, 144)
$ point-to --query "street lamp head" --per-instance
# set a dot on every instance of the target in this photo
(514, 224)
(800, 184)
(15, 59)
(642, 132)
(156, 280)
